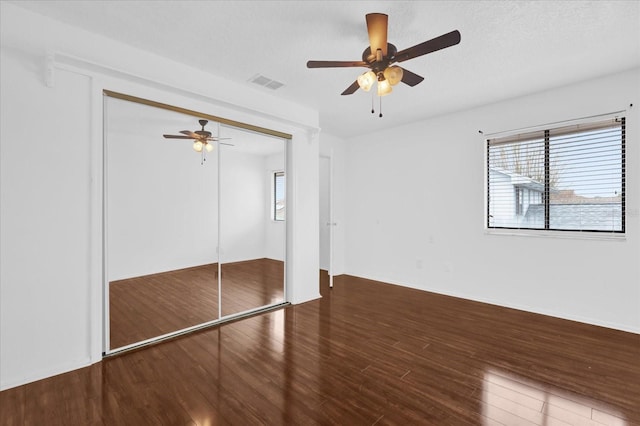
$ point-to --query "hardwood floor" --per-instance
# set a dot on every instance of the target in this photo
(367, 353)
(153, 305)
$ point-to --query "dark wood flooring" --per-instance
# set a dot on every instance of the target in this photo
(367, 353)
(153, 305)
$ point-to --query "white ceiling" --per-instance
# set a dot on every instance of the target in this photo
(508, 48)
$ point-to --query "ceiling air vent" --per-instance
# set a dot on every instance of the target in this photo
(261, 80)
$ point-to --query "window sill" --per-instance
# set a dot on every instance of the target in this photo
(570, 235)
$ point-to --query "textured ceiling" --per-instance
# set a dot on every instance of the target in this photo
(508, 48)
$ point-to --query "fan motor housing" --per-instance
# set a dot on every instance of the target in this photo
(379, 66)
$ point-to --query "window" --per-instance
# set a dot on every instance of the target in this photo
(563, 178)
(279, 193)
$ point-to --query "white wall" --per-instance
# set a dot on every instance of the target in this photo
(44, 222)
(415, 212)
(51, 181)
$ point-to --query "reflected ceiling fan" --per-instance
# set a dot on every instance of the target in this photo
(202, 138)
(380, 56)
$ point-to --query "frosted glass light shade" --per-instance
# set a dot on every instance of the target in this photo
(208, 147)
(366, 80)
(384, 88)
(197, 146)
(393, 75)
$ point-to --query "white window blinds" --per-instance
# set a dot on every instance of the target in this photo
(565, 178)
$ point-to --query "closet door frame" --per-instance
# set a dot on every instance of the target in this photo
(107, 350)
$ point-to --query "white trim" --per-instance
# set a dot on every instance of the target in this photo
(48, 372)
(567, 235)
(104, 232)
(332, 223)
(96, 237)
(520, 307)
(286, 203)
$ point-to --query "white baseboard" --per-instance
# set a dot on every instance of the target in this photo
(43, 374)
(536, 310)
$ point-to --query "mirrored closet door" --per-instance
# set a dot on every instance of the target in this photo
(252, 221)
(191, 238)
(162, 224)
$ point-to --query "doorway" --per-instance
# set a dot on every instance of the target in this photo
(326, 223)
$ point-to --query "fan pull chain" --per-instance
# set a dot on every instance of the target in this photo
(380, 107)
(372, 110)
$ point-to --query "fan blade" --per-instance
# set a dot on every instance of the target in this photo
(377, 28)
(176, 137)
(229, 144)
(410, 78)
(351, 89)
(445, 40)
(214, 138)
(335, 64)
(191, 134)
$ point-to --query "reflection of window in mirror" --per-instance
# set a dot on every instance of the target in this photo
(278, 196)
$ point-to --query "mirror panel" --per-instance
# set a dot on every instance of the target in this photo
(252, 236)
(161, 220)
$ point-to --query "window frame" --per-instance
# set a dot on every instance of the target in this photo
(274, 189)
(549, 131)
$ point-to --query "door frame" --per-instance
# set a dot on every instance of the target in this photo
(106, 350)
(331, 224)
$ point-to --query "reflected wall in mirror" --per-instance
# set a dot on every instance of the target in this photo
(161, 224)
(252, 221)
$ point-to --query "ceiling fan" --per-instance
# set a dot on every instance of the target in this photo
(380, 56)
(201, 138)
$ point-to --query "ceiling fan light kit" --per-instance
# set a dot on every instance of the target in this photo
(202, 139)
(197, 146)
(366, 80)
(384, 88)
(393, 74)
(380, 56)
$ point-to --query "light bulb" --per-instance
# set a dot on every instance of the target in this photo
(208, 147)
(384, 88)
(197, 146)
(393, 75)
(366, 80)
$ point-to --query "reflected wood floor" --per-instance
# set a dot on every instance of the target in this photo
(366, 353)
(153, 305)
